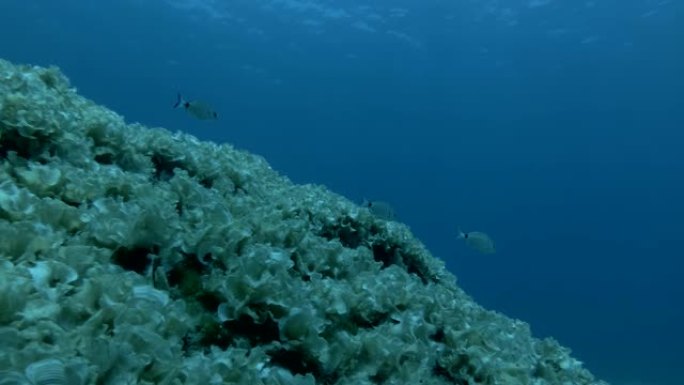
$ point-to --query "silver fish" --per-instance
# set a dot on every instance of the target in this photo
(196, 108)
(380, 209)
(478, 241)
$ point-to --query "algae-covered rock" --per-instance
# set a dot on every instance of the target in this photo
(133, 255)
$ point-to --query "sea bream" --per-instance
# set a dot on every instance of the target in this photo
(380, 209)
(196, 108)
(477, 241)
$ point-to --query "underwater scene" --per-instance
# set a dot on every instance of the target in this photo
(322, 192)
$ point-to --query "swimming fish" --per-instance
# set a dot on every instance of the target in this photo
(478, 241)
(196, 108)
(380, 209)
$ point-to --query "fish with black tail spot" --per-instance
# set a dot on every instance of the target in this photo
(477, 241)
(197, 109)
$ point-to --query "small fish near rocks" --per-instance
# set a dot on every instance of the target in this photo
(197, 109)
(478, 241)
(380, 209)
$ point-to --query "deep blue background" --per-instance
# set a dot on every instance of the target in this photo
(556, 128)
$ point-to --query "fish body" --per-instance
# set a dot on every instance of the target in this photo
(196, 108)
(478, 241)
(380, 209)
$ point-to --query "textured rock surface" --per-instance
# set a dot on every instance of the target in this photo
(132, 255)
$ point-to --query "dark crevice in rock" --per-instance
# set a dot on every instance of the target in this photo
(164, 167)
(438, 336)
(349, 232)
(105, 158)
(352, 234)
(135, 259)
(386, 254)
(392, 254)
(461, 371)
(380, 377)
(186, 275)
(439, 371)
(71, 203)
(415, 265)
(207, 183)
(256, 333)
(211, 333)
(27, 148)
(298, 361)
(209, 301)
(180, 208)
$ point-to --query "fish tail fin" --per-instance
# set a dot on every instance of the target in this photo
(459, 233)
(179, 101)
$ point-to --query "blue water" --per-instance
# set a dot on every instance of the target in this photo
(555, 126)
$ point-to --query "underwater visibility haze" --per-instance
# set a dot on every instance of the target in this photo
(555, 127)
